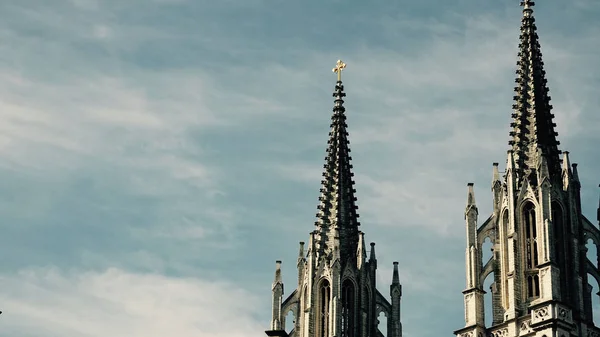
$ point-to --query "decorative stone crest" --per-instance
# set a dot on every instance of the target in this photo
(466, 334)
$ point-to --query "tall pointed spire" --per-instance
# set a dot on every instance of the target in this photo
(337, 216)
(536, 228)
(336, 293)
(533, 131)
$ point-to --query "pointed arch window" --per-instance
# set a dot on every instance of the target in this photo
(323, 309)
(305, 303)
(558, 225)
(302, 315)
(531, 251)
(504, 287)
(348, 308)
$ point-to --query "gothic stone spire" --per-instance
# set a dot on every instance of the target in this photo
(533, 128)
(539, 265)
(337, 219)
(337, 292)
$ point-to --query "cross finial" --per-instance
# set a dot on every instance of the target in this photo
(338, 69)
(527, 4)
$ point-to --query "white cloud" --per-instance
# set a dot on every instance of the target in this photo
(114, 302)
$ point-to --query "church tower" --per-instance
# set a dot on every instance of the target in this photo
(336, 295)
(538, 266)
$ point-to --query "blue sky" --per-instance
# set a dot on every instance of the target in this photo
(157, 156)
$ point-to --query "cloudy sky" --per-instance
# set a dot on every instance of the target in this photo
(157, 156)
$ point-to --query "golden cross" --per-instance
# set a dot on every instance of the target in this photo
(338, 69)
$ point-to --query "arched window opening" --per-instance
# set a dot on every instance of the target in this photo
(289, 321)
(558, 224)
(382, 323)
(303, 316)
(487, 249)
(370, 305)
(323, 313)
(594, 293)
(305, 301)
(488, 307)
(348, 306)
(506, 225)
(592, 251)
(533, 285)
(530, 236)
(531, 251)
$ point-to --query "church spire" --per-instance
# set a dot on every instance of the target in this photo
(541, 277)
(533, 133)
(337, 216)
(336, 293)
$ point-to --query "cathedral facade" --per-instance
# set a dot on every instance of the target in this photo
(336, 295)
(539, 266)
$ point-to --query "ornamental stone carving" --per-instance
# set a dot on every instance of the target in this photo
(466, 334)
(541, 314)
(563, 313)
(500, 332)
(525, 327)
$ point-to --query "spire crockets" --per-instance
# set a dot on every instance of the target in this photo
(533, 132)
(337, 219)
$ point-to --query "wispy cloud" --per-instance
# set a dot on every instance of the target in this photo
(115, 302)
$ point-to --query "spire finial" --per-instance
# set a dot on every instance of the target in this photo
(338, 69)
(495, 173)
(278, 278)
(527, 4)
(301, 251)
(372, 255)
(395, 276)
(527, 7)
(470, 195)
